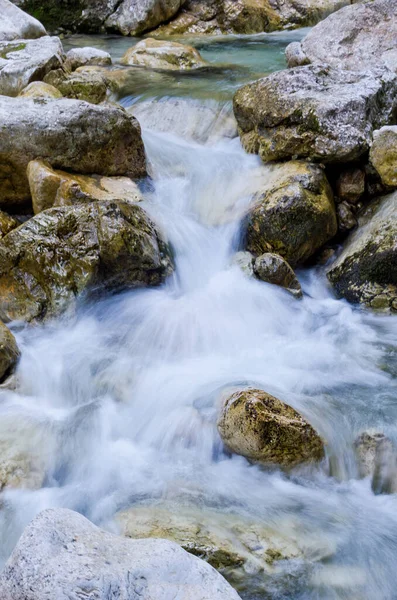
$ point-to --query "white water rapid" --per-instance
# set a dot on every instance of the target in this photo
(119, 403)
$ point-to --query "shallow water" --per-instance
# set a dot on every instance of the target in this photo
(119, 403)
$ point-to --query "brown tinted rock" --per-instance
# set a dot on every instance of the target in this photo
(272, 268)
(73, 135)
(9, 351)
(7, 223)
(294, 216)
(57, 188)
(264, 429)
(350, 185)
(383, 155)
(39, 89)
(346, 217)
(62, 252)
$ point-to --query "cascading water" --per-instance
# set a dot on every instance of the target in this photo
(118, 405)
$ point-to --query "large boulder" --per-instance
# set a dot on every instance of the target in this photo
(366, 270)
(9, 351)
(170, 56)
(244, 550)
(62, 252)
(361, 35)
(383, 155)
(294, 215)
(317, 112)
(57, 188)
(247, 16)
(264, 429)
(24, 61)
(134, 17)
(15, 24)
(62, 555)
(72, 135)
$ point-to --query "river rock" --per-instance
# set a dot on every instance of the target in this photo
(317, 112)
(9, 351)
(383, 155)
(72, 135)
(62, 555)
(7, 223)
(246, 16)
(245, 551)
(346, 217)
(294, 215)
(264, 429)
(39, 89)
(93, 246)
(134, 17)
(377, 458)
(57, 188)
(17, 25)
(88, 86)
(361, 35)
(165, 55)
(27, 449)
(350, 185)
(24, 61)
(244, 260)
(272, 268)
(81, 57)
(366, 270)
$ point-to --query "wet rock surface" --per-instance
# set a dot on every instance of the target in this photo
(62, 252)
(9, 351)
(273, 269)
(87, 86)
(72, 134)
(57, 188)
(62, 554)
(294, 216)
(264, 429)
(365, 271)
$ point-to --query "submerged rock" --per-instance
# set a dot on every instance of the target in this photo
(62, 554)
(245, 551)
(156, 54)
(359, 36)
(377, 458)
(9, 352)
(314, 112)
(383, 155)
(272, 268)
(17, 25)
(266, 430)
(295, 214)
(245, 261)
(81, 57)
(39, 89)
(366, 270)
(88, 86)
(57, 188)
(24, 61)
(61, 252)
(72, 135)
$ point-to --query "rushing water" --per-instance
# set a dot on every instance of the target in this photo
(119, 404)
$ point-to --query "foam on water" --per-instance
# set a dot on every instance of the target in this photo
(120, 403)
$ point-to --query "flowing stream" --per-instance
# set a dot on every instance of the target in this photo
(119, 402)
